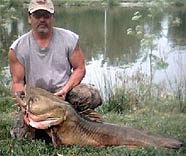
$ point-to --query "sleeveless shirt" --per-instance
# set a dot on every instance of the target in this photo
(48, 68)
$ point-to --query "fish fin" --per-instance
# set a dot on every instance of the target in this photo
(55, 139)
(91, 115)
(169, 142)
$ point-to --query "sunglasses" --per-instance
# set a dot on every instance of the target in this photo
(40, 14)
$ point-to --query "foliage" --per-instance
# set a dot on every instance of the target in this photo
(159, 116)
(112, 2)
(122, 100)
(136, 94)
(180, 94)
(117, 103)
(7, 15)
(178, 3)
(148, 41)
(150, 52)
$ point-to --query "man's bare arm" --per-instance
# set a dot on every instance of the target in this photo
(78, 64)
(17, 73)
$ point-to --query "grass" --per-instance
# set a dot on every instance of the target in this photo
(157, 115)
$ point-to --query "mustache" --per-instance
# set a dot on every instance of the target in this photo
(43, 23)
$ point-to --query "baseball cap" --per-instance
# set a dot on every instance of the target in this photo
(41, 5)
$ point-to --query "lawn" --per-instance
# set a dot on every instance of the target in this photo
(155, 117)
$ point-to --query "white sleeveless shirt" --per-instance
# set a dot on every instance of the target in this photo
(48, 68)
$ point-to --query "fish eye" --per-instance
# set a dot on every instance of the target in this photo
(32, 100)
(35, 99)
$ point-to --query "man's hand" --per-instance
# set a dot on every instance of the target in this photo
(20, 94)
(78, 66)
(61, 94)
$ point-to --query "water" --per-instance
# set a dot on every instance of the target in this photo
(110, 53)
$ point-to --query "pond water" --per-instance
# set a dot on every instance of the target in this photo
(110, 53)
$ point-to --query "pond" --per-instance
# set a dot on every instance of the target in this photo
(112, 55)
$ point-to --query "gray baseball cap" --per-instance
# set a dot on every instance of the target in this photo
(41, 5)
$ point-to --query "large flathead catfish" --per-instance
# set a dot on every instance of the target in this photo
(46, 111)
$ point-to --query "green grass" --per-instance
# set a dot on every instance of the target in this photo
(159, 117)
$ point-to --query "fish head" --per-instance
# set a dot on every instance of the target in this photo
(44, 106)
(40, 101)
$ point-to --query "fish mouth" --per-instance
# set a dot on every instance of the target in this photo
(43, 121)
(45, 124)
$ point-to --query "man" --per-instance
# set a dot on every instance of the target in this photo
(50, 58)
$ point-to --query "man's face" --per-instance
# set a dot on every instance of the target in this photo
(41, 21)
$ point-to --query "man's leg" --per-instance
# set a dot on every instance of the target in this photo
(84, 96)
(20, 130)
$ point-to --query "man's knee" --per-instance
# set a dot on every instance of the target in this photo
(84, 96)
(20, 130)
